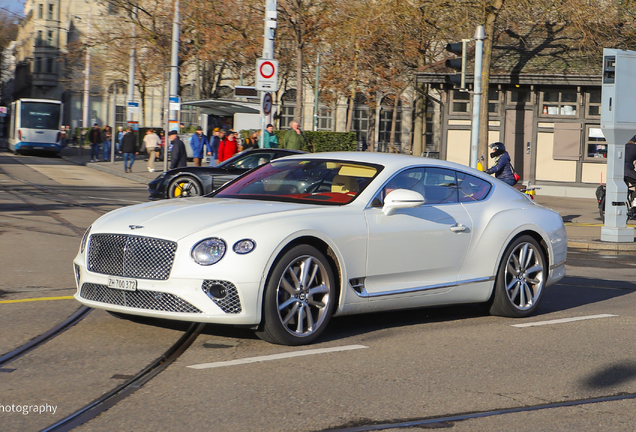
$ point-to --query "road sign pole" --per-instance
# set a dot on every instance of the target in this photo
(268, 54)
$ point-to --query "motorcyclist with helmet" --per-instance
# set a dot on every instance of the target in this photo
(502, 168)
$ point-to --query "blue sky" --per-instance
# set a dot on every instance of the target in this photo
(15, 6)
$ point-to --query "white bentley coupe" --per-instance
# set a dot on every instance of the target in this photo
(288, 245)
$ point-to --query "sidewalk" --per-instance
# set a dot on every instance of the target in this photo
(580, 215)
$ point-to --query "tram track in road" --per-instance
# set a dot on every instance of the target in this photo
(448, 420)
(121, 392)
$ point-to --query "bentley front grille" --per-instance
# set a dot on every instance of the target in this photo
(131, 256)
(224, 294)
(140, 299)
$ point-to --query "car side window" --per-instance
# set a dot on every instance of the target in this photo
(252, 161)
(407, 179)
(440, 186)
(472, 188)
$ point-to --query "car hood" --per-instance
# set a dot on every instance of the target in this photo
(178, 218)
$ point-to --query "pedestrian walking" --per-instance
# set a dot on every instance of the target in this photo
(178, 157)
(95, 138)
(120, 136)
(129, 149)
(252, 141)
(269, 140)
(294, 138)
(228, 147)
(198, 142)
(213, 146)
(151, 144)
(108, 135)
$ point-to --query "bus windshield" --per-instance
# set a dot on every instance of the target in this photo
(40, 115)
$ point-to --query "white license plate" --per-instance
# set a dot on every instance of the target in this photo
(122, 284)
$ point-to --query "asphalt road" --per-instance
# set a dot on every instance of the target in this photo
(453, 367)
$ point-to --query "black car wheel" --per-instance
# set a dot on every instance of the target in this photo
(184, 187)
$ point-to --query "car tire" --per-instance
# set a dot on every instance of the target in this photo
(299, 298)
(184, 187)
(520, 280)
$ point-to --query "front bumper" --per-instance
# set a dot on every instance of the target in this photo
(182, 299)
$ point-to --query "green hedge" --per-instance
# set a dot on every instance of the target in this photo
(322, 141)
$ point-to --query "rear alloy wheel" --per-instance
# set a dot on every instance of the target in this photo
(520, 280)
(184, 187)
(299, 298)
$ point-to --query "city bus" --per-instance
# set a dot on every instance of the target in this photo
(35, 124)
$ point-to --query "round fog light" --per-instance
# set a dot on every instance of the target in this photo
(244, 246)
(217, 291)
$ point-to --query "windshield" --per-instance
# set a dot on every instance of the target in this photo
(40, 115)
(315, 181)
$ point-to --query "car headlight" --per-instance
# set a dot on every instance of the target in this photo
(208, 251)
(85, 239)
(245, 246)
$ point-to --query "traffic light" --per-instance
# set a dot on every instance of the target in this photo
(459, 63)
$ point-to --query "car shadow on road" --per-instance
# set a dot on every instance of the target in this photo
(570, 293)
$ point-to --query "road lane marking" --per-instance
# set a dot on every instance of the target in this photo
(563, 320)
(37, 299)
(276, 357)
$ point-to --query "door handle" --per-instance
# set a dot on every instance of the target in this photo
(458, 228)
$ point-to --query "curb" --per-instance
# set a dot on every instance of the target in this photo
(598, 245)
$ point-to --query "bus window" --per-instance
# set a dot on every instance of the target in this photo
(34, 115)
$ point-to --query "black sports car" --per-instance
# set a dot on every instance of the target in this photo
(195, 181)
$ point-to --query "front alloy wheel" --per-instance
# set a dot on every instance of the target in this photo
(299, 298)
(520, 280)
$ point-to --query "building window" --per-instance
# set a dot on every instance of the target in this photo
(38, 65)
(460, 102)
(39, 41)
(360, 119)
(593, 103)
(49, 65)
(49, 39)
(288, 108)
(50, 16)
(559, 103)
(595, 143)
(120, 116)
(386, 119)
(40, 11)
(493, 101)
(519, 97)
(324, 118)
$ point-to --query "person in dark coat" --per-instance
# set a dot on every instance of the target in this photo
(502, 169)
(178, 157)
(95, 138)
(129, 149)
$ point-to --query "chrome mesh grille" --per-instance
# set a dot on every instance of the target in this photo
(230, 303)
(131, 256)
(140, 299)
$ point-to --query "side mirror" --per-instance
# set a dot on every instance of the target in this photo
(401, 198)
